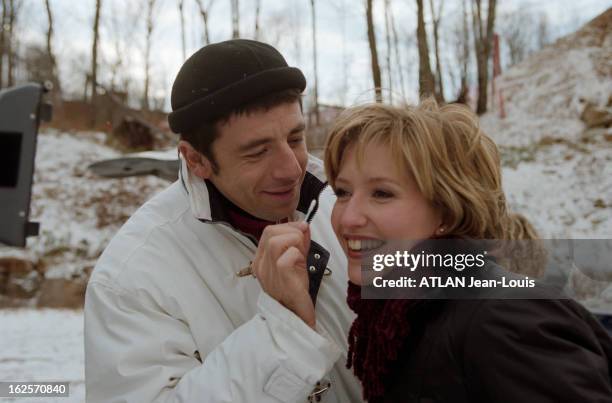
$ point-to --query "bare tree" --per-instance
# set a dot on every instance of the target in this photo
(315, 91)
(122, 23)
(436, 27)
(182, 17)
(148, 39)
(514, 28)
(426, 78)
(398, 58)
(388, 49)
(94, 55)
(257, 11)
(3, 24)
(204, 13)
(373, 52)
(50, 53)
(235, 19)
(543, 34)
(463, 48)
(483, 39)
(11, 39)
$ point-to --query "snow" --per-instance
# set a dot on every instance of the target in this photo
(554, 172)
(43, 345)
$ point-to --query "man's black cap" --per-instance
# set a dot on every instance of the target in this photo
(223, 76)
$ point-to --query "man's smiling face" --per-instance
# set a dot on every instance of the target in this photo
(261, 158)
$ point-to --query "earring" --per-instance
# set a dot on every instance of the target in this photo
(441, 229)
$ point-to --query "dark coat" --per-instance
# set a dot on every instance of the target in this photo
(536, 350)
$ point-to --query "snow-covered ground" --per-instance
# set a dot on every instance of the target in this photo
(43, 345)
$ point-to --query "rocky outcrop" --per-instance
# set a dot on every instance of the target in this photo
(594, 116)
(23, 283)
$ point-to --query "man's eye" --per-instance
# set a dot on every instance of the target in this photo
(382, 194)
(257, 154)
(297, 140)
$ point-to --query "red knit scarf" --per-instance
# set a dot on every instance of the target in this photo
(375, 339)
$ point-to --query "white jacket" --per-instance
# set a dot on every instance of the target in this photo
(164, 297)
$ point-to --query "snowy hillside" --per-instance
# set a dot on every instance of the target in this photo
(556, 171)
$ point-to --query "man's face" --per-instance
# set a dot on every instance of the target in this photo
(262, 161)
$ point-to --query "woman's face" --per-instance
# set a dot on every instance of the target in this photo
(375, 203)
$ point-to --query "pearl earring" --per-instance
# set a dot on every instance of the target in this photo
(441, 230)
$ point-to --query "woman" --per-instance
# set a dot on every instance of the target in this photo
(424, 173)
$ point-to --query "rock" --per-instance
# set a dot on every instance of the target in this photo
(594, 116)
(133, 134)
(62, 293)
(19, 278)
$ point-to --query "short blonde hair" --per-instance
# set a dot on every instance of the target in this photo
(455, 165)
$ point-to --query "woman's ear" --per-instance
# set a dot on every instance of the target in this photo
(198, 164)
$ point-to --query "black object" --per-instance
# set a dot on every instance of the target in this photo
(21, 111)
(223, 76)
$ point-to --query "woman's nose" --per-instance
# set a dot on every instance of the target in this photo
(354, 213)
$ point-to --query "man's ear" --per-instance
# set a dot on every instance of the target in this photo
(198, 164)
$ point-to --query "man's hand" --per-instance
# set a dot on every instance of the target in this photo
(280, 267)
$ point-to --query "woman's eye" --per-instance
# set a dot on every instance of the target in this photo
(340, 193)
(382, 194)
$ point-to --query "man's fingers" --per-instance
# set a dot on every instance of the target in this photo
(291, 258)
(277, 229)
(278, 244)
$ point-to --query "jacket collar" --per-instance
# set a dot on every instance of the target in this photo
(207, 204)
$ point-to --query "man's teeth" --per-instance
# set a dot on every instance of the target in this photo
(364, 244)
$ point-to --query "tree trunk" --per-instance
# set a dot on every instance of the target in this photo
(52, 61)
(389, 50)
(373, 52)
(235, 19)
(204, 12)
(462, 97)
(10, 45)
(2, 41)
(483, 38)
(398, 58)
(182, 16)
(314, 60)
(257, 12)
(436, 25)
(149, 34)
(426, 78)
(94, 52)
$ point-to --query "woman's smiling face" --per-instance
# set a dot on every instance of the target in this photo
(375, 203)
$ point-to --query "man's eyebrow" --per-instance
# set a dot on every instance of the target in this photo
(258, 142)
(299, 128)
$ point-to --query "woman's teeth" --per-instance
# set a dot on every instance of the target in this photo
(362, 245)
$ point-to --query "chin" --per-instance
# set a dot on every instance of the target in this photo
(354, 275)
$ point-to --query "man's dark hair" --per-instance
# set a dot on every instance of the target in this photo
(205, 135)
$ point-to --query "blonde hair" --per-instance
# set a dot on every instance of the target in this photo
(455, 165)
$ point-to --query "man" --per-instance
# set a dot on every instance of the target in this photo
(172, 312)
